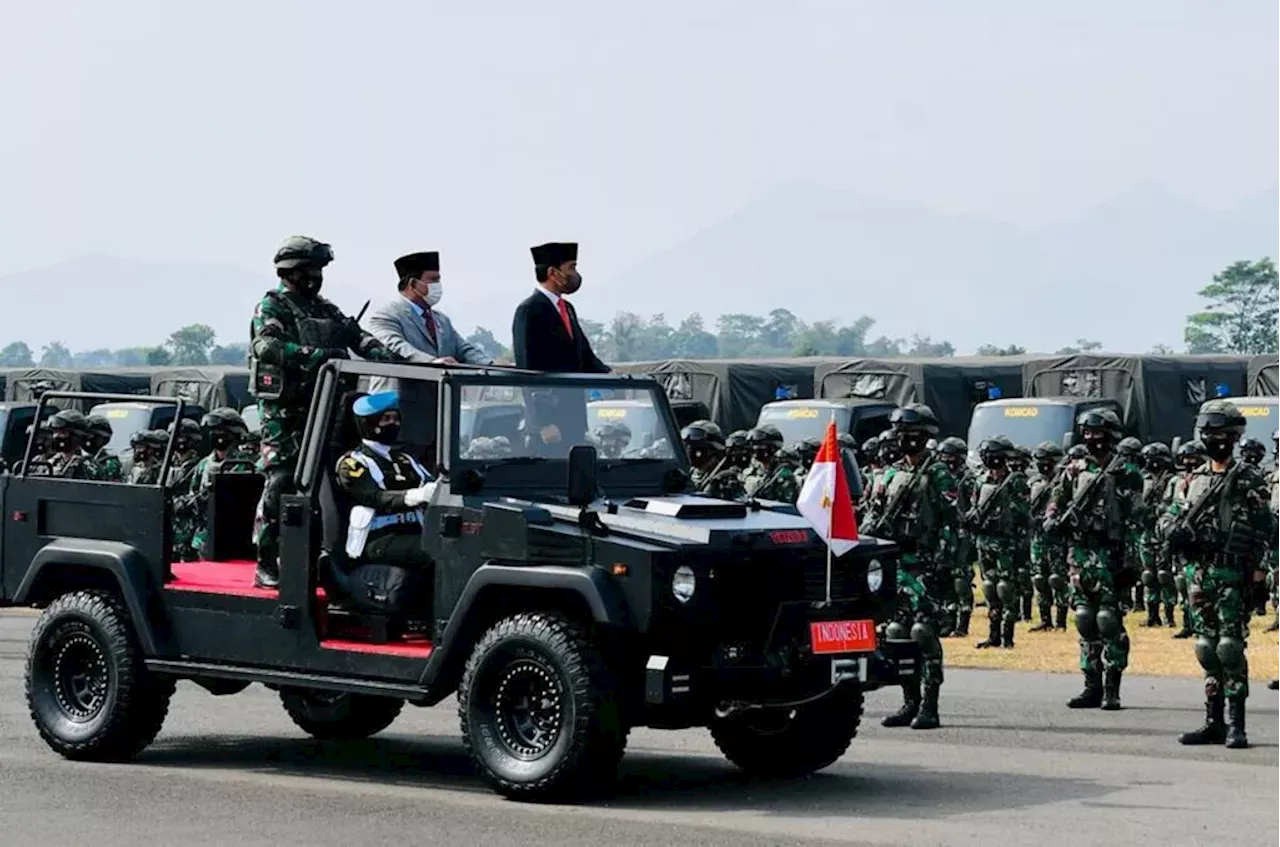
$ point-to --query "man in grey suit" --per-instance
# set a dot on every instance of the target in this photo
(410, 326)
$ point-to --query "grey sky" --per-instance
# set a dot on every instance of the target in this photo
(208, 131)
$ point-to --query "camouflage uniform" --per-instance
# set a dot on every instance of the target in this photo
(1048, 555)
(1273, 551)
(1190, 456)
(148, 451)
(224, 428)
(1219, 519)
(962, 563)
(105, 464)
(294, 331)
(68, 431)
(1091, 502)
(998, 522)
(783, 482)
(1157, 569)
(182, 510)
(914, 504)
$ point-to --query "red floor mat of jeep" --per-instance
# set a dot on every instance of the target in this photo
(416, 648)
(234, 578)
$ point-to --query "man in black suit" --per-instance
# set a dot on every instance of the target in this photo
(546, 331)
(549, 338)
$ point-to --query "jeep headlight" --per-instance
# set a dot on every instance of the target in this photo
(683, 583)
(875, 575)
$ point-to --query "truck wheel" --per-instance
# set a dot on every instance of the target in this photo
(539, 709)
(338, 715)
(790, 742)
(88, 689)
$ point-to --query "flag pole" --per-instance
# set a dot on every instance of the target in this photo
(831, 509)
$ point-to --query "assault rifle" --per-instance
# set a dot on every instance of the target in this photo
(1184, 531)
(905, 494)
(1039, 502)
(1084, 497)
(976, 518)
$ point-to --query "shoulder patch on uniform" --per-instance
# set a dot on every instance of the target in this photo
(350, 467)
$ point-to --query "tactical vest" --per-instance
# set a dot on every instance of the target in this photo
(271, 381)
(365, 519)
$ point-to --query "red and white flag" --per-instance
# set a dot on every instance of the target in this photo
(824, 498)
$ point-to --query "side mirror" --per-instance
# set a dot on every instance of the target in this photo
(582, 475)
(1068, 439)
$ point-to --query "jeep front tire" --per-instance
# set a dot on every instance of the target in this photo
(539, 709)
(336, 715)
(88, 689)
(791, 742)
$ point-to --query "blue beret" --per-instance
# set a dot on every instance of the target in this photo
(376, 404)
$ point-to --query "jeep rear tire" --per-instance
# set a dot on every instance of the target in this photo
(88, 689)
(791, 742)
(333, 715)
(539, 709)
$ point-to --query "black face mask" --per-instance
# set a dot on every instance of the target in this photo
(572, 281)
(309, 284)
(1099, 446)
(911, 443)
(62, 443)
(223, 443)
(386, 434)
(1219, 449)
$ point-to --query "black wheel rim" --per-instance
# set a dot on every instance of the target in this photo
(528, 708)
(80, 675)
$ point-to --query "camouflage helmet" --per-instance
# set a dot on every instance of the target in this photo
(710, 427)
(931, 444)
(69, 419)
(224, 418)
(775, 434)
(1047, 451)
(1157, 453)
(871, 446)
(188, 431)
(996, 447)
(1192, 449)
(808, 449)
(764, 435)
(100, 426)
(847, 441)
(1220, 416)
(953, 446)
(789, 453)
(1253, 449)
(1129, 447)
(138, 439)
(1078, 451)
(300, 251)
(914, 416)
(736, 440)
(698, 433)
(1101, 418)
(613, 430)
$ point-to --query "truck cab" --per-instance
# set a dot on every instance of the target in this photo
(862, 418)
(15, 418)
(1029, 421)
(569, 598)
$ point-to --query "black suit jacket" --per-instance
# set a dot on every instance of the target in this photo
(541, 343)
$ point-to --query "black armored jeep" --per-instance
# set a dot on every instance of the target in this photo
(572, 598)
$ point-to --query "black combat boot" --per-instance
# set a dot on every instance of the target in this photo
(1006, 634)
(910, 705)
(1061, 621)
(1091, 697)
(1185, 632)
(927, 718)
(1236, 739)
(1153, 613)
(962, 625)
(1168, 615)
(1046, 619)
(267, 575)
(1111, 690)
(993, 640)
(1274, 684)
(1214, 730)
(1028, 605)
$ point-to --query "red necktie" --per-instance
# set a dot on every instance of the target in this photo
(430, 322)
(563, 308)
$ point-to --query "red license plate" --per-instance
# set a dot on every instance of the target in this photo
(843, 636)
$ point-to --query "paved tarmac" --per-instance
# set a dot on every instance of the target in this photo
(1012, 765)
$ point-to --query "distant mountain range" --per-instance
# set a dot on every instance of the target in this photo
(1124, 273)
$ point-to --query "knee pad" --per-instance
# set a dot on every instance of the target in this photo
(989, 591)
(1231, 653)
(1148, 579)
(923, 634)
(1041, 584)
(1109, 623)
(1207, 654)
(1058, 581)
(896, 632)
(1166, 578)
(1007, 591)
(1181, 581)
(1086, 623)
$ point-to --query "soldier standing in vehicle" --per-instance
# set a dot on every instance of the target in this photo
(765, 443)
(224, 428)
(1191, 455)
(1157, 571)
(997, 521)
(1218, 520)
(106, 465)
(294, 332)
(1090, 505)
(1048, 556)
(182, 467)
(914, 505)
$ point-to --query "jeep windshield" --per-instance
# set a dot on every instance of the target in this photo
(1025, 424)
(796, 423)
(546, 421)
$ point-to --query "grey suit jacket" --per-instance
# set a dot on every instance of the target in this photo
(402, 330)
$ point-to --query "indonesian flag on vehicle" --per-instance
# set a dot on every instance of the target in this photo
(824, 499)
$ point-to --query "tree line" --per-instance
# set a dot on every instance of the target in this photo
(1239, 315)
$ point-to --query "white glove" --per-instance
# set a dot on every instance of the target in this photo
(418, 496)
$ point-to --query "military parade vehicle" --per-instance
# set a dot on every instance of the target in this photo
(572, 597)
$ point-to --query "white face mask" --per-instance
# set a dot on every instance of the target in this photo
(435, 290)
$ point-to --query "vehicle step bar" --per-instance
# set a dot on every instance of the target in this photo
(269, 676)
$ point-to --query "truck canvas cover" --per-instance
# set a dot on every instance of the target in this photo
(208, 387)
(734, 390)
(951, 386)
(26, 385)
(1264, 376)
(1160, 395)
